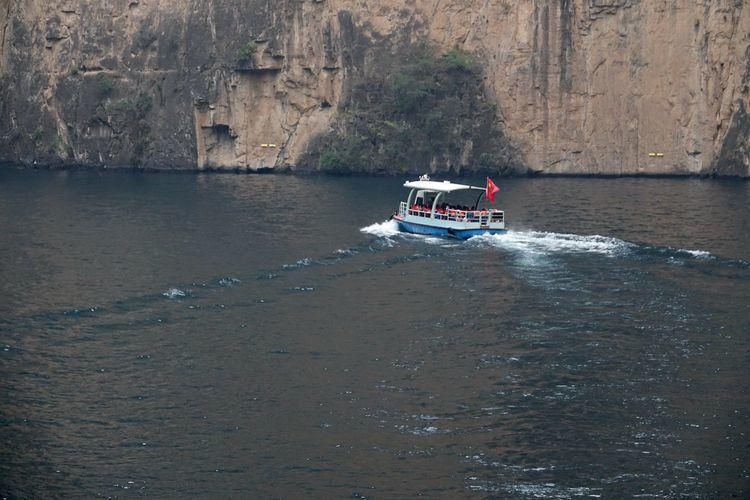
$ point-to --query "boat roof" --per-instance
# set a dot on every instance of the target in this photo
(438, 186)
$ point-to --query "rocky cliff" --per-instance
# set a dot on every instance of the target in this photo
(578, 86)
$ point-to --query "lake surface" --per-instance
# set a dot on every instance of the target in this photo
(275, 337)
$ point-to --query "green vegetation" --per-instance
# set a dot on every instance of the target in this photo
(246, 52)
(129, 115)
(344, 156)
(430, 112)
(137, 106)
(140, 147)
(124, 105)
(37, 135)
(105, 84)
(57, 145)
(457, 59)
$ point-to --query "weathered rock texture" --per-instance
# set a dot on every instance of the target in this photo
(581, 86)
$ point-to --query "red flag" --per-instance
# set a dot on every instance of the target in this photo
(491, 190)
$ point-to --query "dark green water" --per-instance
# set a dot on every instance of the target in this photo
(242, 336)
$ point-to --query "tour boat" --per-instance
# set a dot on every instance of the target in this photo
(432, 209)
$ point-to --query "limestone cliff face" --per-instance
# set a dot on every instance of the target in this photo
(581, 86)
(162, 83)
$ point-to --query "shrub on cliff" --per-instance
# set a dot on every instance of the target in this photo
(421, 112)
(105, 84)
(245, 53)
(136, 106)
(459, 60)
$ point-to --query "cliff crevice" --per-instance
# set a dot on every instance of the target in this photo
(4, 20)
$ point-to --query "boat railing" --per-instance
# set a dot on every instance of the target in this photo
(483, 217)
(402, 209)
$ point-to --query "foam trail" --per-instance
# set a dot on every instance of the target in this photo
(344, 252)
(228, 281)
(543, 243)
(307, 261)
(698, 254)
(174, 293)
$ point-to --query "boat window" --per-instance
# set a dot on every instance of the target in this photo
(425, 198)
(461, 200)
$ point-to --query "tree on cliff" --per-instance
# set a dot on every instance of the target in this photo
(420, 112)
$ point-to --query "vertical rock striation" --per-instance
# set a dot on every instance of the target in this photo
(580, 86)
(615, 86)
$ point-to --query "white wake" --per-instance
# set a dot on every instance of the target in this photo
(543, 243)
(382, 229)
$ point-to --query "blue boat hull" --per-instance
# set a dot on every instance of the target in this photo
(463, 234)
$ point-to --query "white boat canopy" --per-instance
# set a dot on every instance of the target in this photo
(439, 187)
